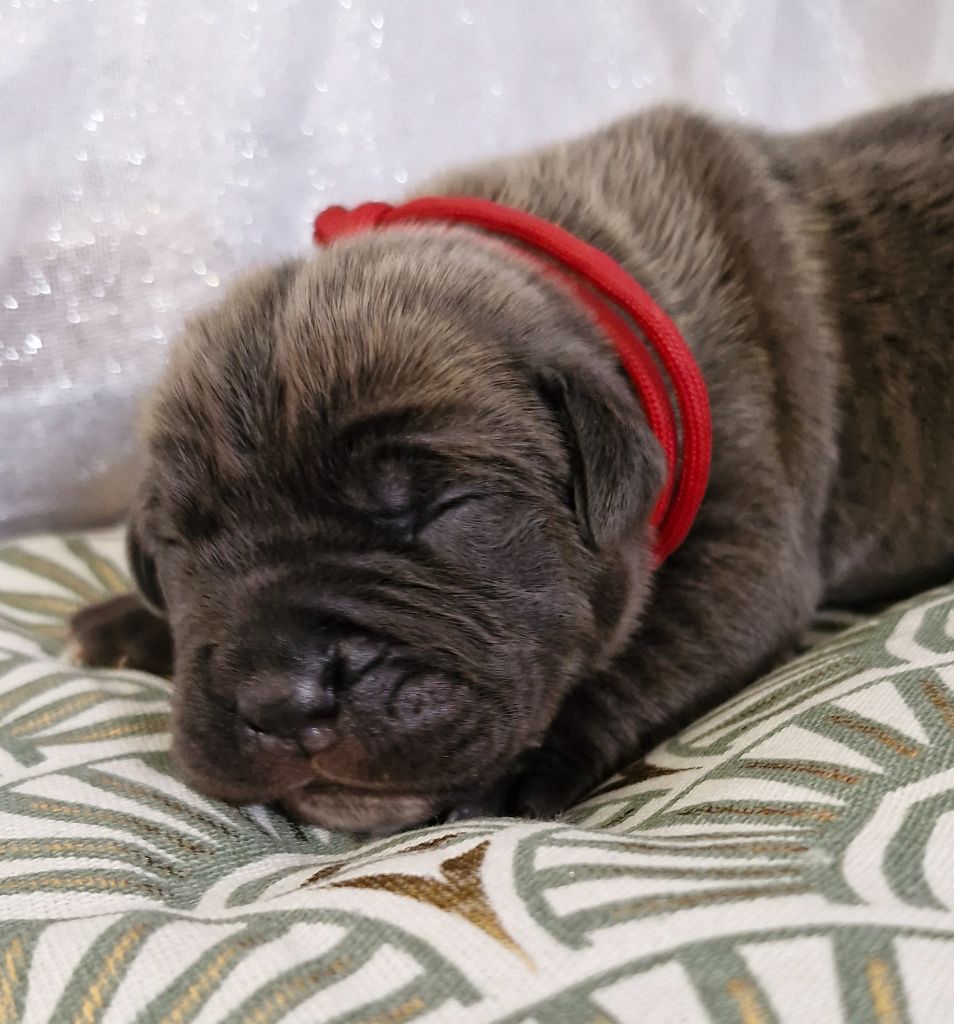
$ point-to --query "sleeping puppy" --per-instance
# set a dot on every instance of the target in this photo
(395, 517)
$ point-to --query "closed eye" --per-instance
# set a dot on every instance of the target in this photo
(455, 515)
(449, 504)
(413, 520)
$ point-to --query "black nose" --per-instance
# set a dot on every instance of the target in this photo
(289, 707)
(293, 694)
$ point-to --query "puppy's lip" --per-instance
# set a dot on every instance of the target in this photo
(236, 789)
(328, 780)
(236, 795)
(346, 763)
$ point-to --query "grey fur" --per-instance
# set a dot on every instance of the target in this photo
(813, 278)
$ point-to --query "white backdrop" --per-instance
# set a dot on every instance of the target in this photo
(150, 149)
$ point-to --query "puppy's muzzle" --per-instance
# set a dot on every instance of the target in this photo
(318, 688)
(292, 683)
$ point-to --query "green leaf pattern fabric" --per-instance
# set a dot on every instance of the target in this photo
(788, 859)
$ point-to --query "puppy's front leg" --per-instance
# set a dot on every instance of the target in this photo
(723, 611)
(121, 633)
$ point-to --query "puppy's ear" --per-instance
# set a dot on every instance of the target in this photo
(616, 464)
(143, 568)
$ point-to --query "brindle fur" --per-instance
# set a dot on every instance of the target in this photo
(517, 647)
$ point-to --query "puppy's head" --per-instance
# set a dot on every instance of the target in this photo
(395, 508)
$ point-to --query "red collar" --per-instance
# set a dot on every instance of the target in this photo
(606, 290)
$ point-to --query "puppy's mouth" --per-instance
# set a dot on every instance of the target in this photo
(345, 805)
(331, 792)
(344, 765)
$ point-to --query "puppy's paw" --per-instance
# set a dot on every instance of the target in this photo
(121, 633)
(549, 786)
(544, 787)
(485, 803)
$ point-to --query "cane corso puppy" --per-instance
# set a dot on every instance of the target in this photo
(393, 534)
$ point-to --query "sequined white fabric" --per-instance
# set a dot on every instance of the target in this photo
(151, 150)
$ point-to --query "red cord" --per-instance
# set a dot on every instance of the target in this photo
(679, 502)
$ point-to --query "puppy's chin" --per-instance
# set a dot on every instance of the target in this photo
(291, 784)
(362, 812)
(331, 806)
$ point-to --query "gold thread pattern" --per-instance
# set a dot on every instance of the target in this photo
(816, 770)
(881, 987)
(940, 702)
(875, 732)
(14, 959)
(746, 999)
(279, 1000)
(813, 814)
(460, 892)
(95, 998)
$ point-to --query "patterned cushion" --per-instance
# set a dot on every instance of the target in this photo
(789, 858)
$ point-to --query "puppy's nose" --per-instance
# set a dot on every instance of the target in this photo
(298, 700)
(290, 707)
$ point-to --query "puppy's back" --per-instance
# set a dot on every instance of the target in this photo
(812, 275)
(879, 191)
